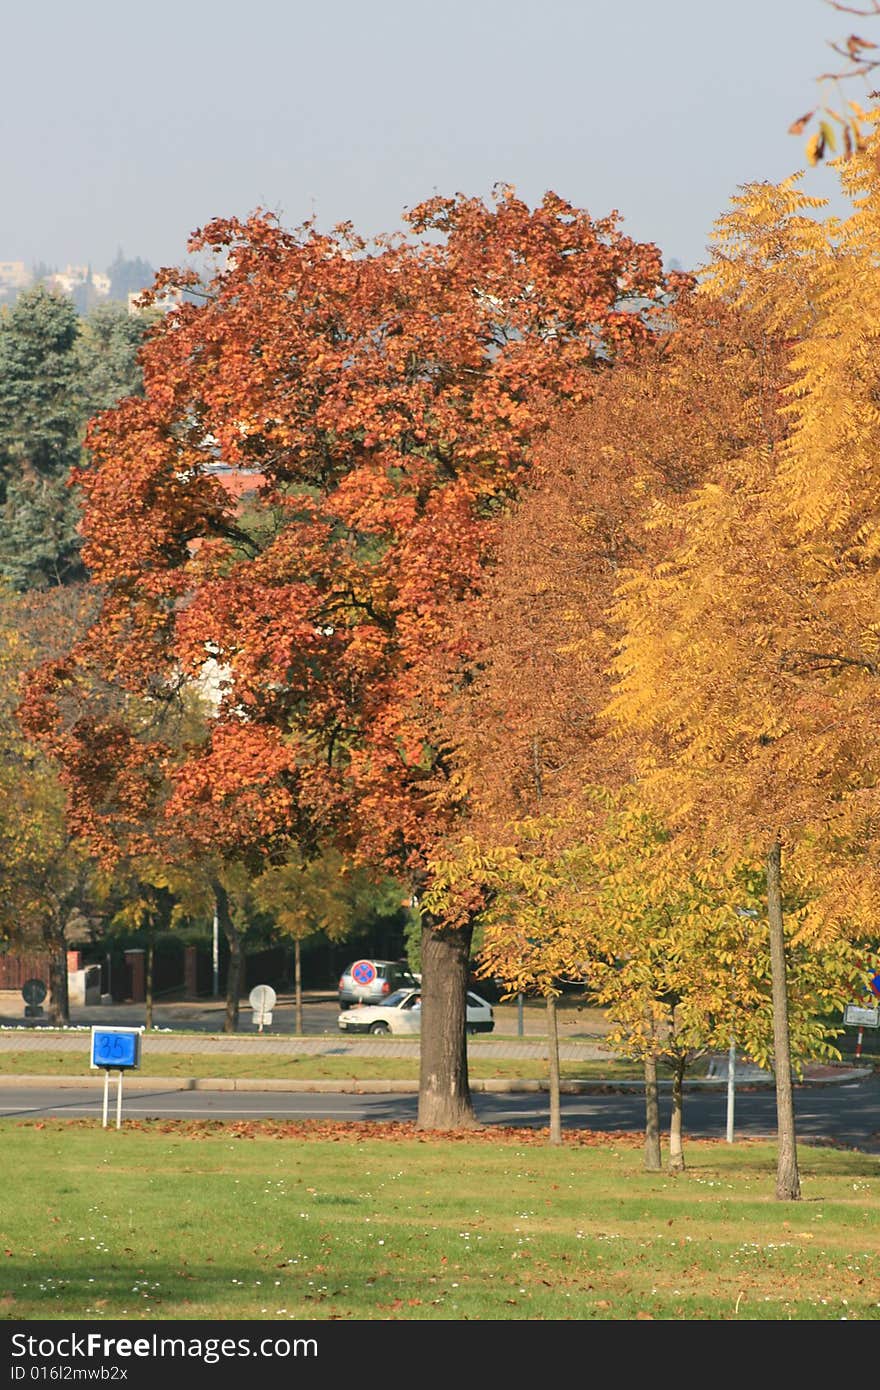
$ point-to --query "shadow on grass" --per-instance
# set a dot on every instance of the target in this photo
(142, 1289)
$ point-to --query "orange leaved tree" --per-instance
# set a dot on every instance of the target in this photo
(384, 398)
(531, 740)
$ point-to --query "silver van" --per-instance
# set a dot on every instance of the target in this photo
(368, 981)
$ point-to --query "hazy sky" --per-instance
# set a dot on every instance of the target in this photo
(129, 125)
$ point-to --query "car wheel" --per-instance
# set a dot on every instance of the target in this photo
(343, 1007)
(470, 1029)
(379, 1028)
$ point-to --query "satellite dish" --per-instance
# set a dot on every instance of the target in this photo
(262, 1001)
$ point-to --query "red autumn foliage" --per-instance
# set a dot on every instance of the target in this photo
(388, 397)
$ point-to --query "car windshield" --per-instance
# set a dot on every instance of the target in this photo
(395, 1000)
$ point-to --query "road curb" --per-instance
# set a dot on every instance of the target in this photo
(354, 1087)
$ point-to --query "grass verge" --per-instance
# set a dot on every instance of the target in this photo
(273, 1067)
(200, 1063)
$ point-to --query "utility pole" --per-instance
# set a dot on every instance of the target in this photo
(215, 958)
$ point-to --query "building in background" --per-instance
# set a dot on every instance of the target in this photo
(14, 277)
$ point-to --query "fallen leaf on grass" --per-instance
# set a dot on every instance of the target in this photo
(323, 1131)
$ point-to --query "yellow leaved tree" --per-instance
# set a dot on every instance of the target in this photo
(749, 660)
(681, 953)
(47, 873)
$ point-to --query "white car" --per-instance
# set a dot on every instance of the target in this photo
(401, 1013)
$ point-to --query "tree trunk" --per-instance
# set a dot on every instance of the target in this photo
(148, 983)
(233, 977)
(788, 1183)
(59, 999)
(653, 1162)
(553, 1041)
(676, 1152)
(297, 987)
(444, 1094)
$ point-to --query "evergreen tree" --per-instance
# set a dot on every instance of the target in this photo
(55, 373)
(39, 543)
(40, 400)
(108, 348)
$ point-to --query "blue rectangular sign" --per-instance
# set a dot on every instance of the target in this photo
(117, 1048)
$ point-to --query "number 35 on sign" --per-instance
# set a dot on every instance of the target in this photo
(116, 1049)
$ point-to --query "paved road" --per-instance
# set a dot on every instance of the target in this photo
(320, 1012)
(847, 1114)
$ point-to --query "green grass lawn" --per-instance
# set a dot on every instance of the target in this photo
(282, 1221)
(52, 1062)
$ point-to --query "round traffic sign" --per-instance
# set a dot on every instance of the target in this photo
(262, 999)
(34, 991)
(363, 972)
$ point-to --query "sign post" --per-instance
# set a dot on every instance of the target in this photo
(262, 1001)
(33, 992)
(858, 1016)
(215, 959)
(731, 1087)
(115, 1049)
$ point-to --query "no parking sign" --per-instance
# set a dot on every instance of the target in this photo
(363, 972)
